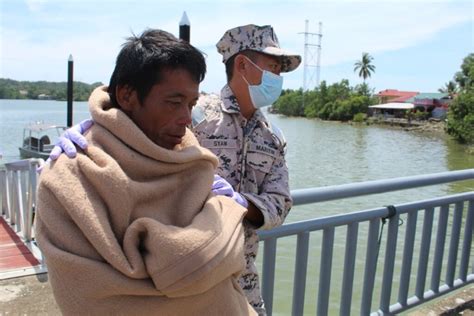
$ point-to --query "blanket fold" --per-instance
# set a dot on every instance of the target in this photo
(132, 228)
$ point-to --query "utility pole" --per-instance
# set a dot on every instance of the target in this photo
(312, 58)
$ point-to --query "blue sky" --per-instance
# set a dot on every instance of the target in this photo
(416, 45)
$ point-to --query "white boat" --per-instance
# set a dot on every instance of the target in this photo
(39, 139)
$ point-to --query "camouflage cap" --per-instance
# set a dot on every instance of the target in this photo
(258, 38)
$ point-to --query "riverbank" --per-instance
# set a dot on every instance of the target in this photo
(428, 126)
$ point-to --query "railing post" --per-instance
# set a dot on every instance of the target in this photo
(370, 267)
(439, 248)
(325, 271)
(424, 253)
(454, 243)
(3, 191)
(349, 265)
(31, 202)
(268, 275)
(14, 207)
(466, 246)
(301, 266)
(407, 258)
(389, 263)
(8, 195)
(24, 210)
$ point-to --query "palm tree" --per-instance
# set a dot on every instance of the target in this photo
(364, 66)
(450, 88)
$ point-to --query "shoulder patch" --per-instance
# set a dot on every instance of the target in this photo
(277, 135)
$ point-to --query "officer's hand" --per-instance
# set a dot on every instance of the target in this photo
(70, 137)
(222, 187)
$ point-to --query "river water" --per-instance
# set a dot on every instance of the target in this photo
(319, 154)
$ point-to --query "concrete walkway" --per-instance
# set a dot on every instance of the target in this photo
(32, 295)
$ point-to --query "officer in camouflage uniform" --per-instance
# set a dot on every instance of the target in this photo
(250, 149)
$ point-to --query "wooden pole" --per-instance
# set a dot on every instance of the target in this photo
(70, 68)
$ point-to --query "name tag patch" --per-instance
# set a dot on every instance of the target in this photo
(263, 150)
(219, 143)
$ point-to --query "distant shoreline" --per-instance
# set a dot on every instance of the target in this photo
(44, 90)
(60, 100)
(423, 126)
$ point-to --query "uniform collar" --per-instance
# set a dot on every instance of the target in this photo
(230, 105)
(229, 101)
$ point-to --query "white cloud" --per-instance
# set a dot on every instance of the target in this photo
(349, 27)
(49, 62)
(36, 45)
(35, 5)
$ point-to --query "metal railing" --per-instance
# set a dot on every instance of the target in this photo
(18, 181)
(457, 261)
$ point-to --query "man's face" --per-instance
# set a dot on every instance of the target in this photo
(265, 62)
(166, 110)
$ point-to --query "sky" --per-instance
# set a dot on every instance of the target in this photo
(416, 45)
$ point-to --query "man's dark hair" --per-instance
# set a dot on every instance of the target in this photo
(229, 65)
(142, 60)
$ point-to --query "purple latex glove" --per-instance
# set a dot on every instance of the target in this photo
(67, 140)
(70, 137)
(222, 187)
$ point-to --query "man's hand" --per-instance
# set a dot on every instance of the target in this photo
(222, 187)
(70, 137)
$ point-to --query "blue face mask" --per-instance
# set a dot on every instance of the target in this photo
(267, 91)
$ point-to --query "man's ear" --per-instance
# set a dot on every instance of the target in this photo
(240, 64)
(126, 97)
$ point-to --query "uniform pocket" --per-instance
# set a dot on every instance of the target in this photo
(227, 158)
(259, 161)
(225, 150)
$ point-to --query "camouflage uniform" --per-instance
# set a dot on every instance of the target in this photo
(252, 160)
(251, 152)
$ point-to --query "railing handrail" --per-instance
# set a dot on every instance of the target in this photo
(23, 165)
(334, 192)
(345, 219)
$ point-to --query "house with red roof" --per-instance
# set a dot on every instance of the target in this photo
(395, 96)
(435, 103)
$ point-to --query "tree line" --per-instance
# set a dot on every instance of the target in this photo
(340, 101)
(34, 90)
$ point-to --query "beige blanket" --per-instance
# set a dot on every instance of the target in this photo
(131, 228)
